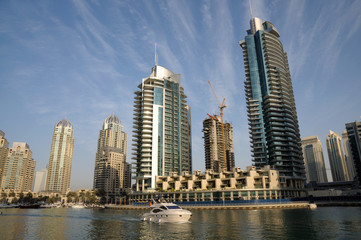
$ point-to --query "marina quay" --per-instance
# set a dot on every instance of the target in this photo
(238, 184)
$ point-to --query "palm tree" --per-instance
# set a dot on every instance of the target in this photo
(71, 196)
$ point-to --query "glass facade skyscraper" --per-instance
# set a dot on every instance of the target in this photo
(161, 128)
(354, 136)
(273, 123)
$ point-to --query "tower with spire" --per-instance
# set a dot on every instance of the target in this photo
(61, 157)
(162, 139)
(273, 123)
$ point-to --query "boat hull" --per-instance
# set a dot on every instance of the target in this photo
(178, 216)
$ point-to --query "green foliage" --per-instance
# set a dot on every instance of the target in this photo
(100, 192)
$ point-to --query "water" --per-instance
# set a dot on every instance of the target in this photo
(66, 223)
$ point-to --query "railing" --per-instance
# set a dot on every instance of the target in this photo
(234, 202)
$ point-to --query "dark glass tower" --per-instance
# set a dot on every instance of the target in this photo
(354, 135)
(273, 124)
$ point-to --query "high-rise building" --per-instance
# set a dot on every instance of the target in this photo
(19, 168)
(354, 136)
(348, 156)
(272, 116)
(4, 145)
(40, 180)
(161, 127)
(213, 144)
(110, 157)
(336, 157)
(61, 157)
(127, 175)
(314, 161)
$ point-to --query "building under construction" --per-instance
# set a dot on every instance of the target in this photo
(218, 157)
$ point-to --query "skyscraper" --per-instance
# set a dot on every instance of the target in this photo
(110, 157)
(127, 175)
(348, 156)
(61, 156)
(19, 168)
(213, 144)
(336, 157)
(273, 124)
(4, 145)
(161, 127)
(40, 180)
(354, 135)
(314, 161)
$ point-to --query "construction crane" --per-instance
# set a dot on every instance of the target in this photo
(221, 107)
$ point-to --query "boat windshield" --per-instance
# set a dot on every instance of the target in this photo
(173, 207)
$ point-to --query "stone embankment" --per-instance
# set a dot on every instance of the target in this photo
(218, 207)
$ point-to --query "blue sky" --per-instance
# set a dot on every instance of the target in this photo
(85, 59)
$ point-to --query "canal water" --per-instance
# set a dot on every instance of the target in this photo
(66, 223)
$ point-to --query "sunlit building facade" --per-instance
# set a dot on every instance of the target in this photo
(348, 156)
(272, 116)
(336, 157)
(40, 180)
(161, 127)
(217, 158)
(314, 161)
(61, 157)
(19, 168)
(4, 145)
(110, 157)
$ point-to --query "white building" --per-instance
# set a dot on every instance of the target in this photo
(161, 127)
(336, 157)
(40, 180)
(314, 161)
(61, 157)
(249, 184)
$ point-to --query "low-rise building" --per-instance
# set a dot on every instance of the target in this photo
(238, 184)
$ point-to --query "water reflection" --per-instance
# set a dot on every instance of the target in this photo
(322, 223)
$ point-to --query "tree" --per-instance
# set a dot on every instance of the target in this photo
(87, 196)
(82, 196)
(100, 193)
(29, 198)
(15, 200)
(12, 194)
(73, 196)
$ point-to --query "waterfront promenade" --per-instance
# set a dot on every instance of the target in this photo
(217, 207)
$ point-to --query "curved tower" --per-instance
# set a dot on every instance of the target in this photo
(161, 128)
(61, 157)
(273, 124)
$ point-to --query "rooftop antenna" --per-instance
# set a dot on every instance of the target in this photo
(155, 54)
(250, 7)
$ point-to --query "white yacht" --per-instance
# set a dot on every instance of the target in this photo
(78, 206)
(167, 212)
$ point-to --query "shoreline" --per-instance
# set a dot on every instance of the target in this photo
(244, 207)
(218, 207)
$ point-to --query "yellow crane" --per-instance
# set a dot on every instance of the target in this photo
(221, 107)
